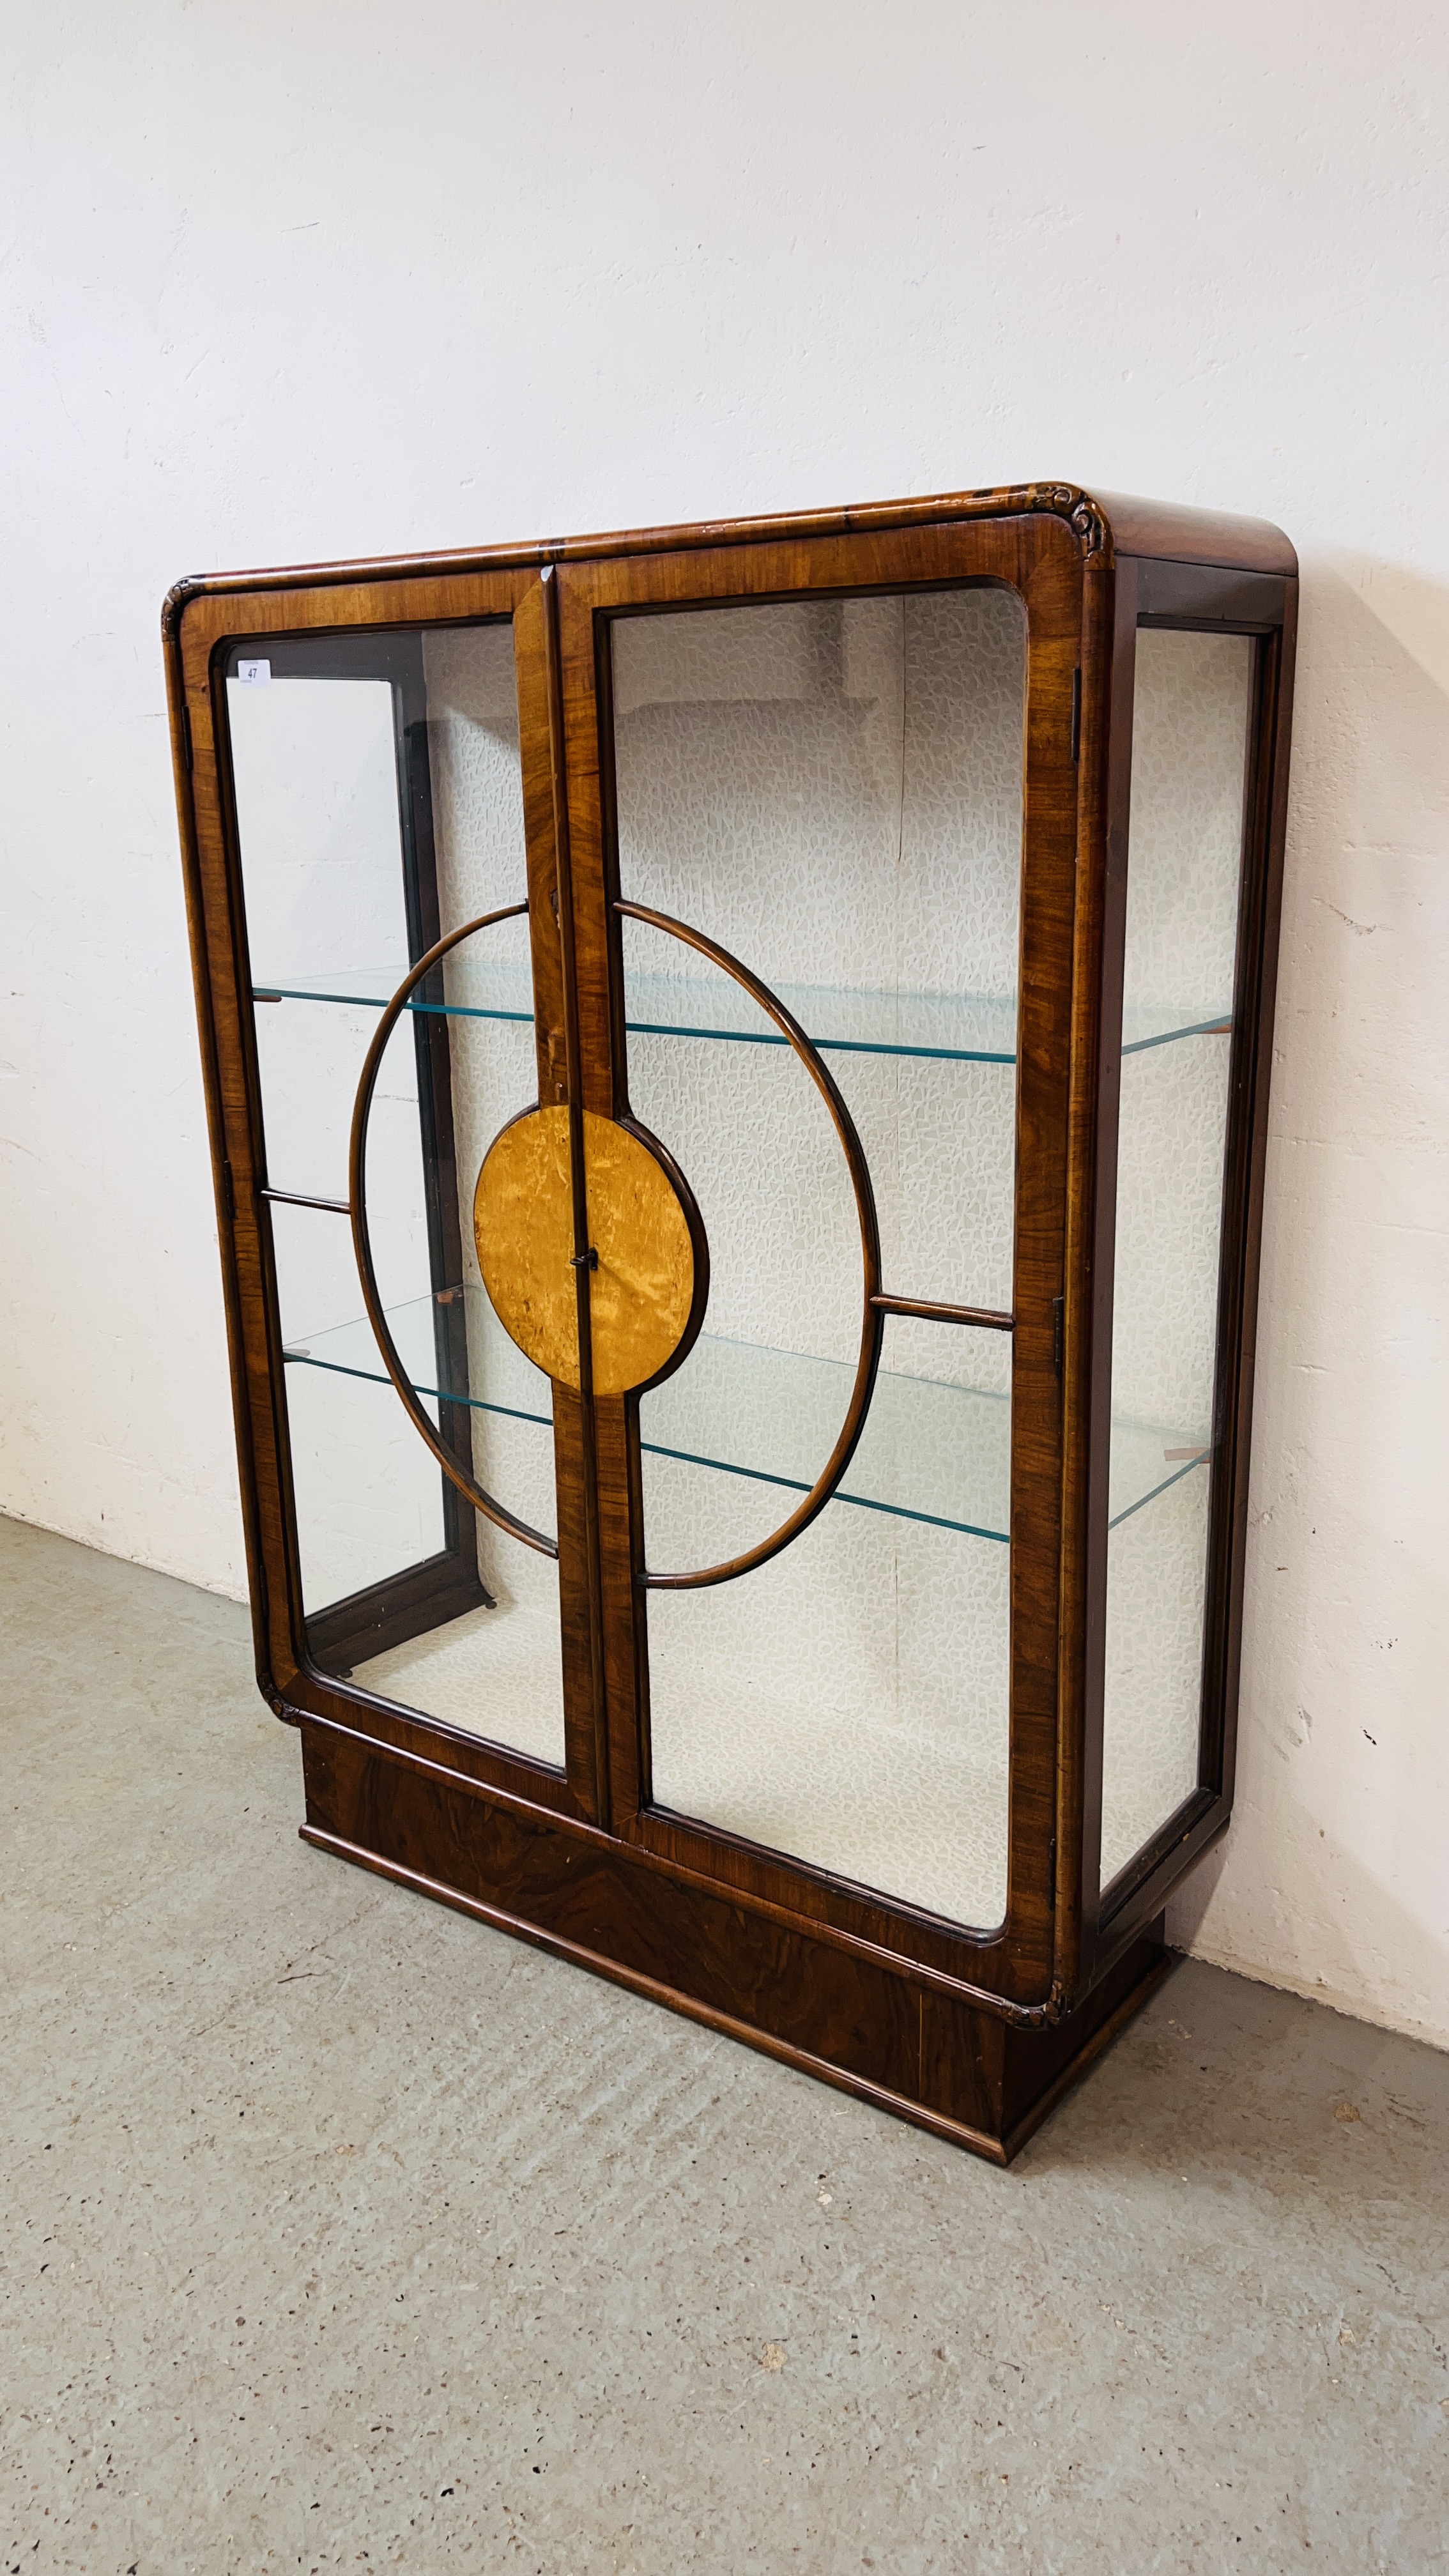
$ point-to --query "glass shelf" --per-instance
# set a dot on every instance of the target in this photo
(930, 1451)
(961, 1028)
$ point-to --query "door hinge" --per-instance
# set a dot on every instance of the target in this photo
(187, 753)
(1077, 713)
(1059, 1334)
(228, 1192)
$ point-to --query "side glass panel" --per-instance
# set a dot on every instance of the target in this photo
(832, 791)
(1189, 757)
(379, 804)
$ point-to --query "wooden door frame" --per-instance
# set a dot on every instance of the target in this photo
(205, 622)
(1041, 558)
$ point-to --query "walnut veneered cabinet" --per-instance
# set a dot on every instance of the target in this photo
(738, 1069)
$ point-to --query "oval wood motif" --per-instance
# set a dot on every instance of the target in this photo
(642, 1292)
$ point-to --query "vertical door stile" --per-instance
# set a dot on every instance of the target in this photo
(561, 1081)
(1053, 586)
(617, 1516)
(1080, 1768)
(277, 1618)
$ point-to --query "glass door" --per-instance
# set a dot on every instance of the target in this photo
(378, 805)
(810, 843)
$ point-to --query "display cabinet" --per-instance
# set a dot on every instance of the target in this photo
(738, 1065)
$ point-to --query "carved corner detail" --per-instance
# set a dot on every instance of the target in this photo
(189, 587)
(1086, 521)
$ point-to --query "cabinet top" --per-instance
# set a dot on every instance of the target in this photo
(1106, 524)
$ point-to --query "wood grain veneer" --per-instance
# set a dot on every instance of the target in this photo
(971, 2033)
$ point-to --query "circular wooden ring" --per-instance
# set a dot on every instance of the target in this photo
(362, 1245)
(872, 1322)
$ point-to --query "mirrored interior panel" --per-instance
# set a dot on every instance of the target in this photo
(832, 790)
(379, 806)
(1190, 736)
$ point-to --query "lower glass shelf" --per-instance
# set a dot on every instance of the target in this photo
(931, 1450)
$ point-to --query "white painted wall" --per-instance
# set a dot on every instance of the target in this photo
(284, 282)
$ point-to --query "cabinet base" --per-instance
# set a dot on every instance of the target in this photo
(931, 2057)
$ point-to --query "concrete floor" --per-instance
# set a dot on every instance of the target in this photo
(339, 2232)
